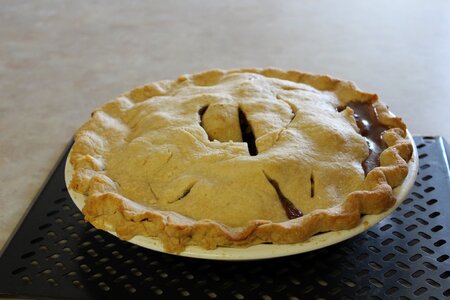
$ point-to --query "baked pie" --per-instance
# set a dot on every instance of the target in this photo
(237, 158)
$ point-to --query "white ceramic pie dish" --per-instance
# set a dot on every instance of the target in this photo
(263, 251)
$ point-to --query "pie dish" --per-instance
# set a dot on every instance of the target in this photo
(237, 158)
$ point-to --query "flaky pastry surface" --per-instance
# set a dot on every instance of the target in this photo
(171, 159)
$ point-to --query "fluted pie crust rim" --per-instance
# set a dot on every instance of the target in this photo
(108, 210)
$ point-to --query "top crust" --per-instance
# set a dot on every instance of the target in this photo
(168, 159)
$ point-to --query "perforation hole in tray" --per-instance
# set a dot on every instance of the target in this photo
(405, 256)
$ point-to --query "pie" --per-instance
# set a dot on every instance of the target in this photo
(239, 157)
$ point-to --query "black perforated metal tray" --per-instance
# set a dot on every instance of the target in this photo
(55, 254)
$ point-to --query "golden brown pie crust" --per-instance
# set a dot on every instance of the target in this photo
(94, 156)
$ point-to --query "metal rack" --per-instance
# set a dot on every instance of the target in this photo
(55, 254)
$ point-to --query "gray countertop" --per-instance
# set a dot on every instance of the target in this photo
(61, 59)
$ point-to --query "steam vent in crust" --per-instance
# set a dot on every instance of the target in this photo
(240, 157)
